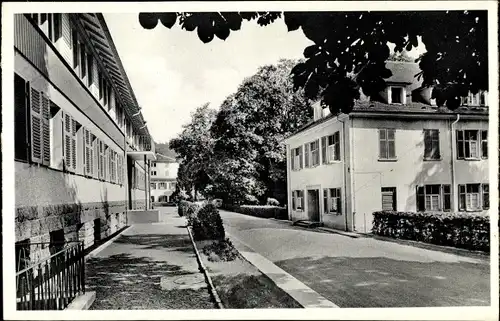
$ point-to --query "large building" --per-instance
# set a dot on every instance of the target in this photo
(82, 146)
(396, 151)
(163, 178)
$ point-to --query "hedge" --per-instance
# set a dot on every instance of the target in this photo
(181, 207)
(463, 230)
(264, 211)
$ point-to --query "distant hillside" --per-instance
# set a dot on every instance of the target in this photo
(163, 149)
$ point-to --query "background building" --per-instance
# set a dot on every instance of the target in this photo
(82, 146)
(395, 151)
(163, 178)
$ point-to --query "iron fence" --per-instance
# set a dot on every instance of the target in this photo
(52, 282)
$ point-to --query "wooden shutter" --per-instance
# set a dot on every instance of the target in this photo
(20, 119)
(420, 198)
(96, 158)
(67, 142)
(36, 127)
(387, 200)
(45, 129)
(73, 143)
(339, 202)
(323, 150)
(87, 152)
(105, 163)
(307, 146)
(301, 154)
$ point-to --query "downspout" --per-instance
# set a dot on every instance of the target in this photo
(353, 178)
(344, 172)
(288, 182)
(125, 165)
(145, 184)
(452, 161)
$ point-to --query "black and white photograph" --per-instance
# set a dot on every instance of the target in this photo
(263, 160)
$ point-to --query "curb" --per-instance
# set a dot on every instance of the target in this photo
(344, 233)
(211, 286)
(302, 294)
(82, 302)
(104, 245)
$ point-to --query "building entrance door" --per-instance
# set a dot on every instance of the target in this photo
(313, 205)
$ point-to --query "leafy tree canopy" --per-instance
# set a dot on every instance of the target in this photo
(356, 43)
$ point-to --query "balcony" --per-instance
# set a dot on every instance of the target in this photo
(142, 148)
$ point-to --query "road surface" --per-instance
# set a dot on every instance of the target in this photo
(364, 272)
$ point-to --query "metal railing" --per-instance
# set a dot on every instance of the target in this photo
(53, 282)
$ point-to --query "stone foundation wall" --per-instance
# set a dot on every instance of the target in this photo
(77, 221)
(139, 204)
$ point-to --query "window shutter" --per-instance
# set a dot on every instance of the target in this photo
(67, 142)
(382, 143)
(339, 202)
(336, 139)
(292, 158)
(20, 119)
(301, 154)
(46, 129)
(391, 143)
(73, 143)
(87, 155)
(427, 144)
(307, 155)
(36, 127)
(105, 163)
(323, 149)
(420, 198)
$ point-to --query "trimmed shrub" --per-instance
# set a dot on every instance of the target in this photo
(220, 250)
(264, 211)
(463, 230)
(182, 207)
(251, 200)
(190, 211)
(207, 224)
(272, 202)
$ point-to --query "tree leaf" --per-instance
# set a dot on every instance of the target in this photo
(148, 20)
(168, 19)
(292, 20)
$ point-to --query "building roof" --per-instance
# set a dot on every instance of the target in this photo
(160, 158)
(402, 72)
(98, 33)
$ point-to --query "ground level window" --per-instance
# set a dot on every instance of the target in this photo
(388, 198)
(298, 200)
(434, 197)
(469, 197)
(332, 201)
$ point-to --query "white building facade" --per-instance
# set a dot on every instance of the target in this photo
(163, 179)
(394, 152)
(82, 148)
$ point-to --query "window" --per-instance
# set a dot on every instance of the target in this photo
(90, 67)
(330, 148)
(76, 50)
(296, 158)
(40, 126)
(312, 154)
(55, 26)
(162, 186)
(332, 201)
(434, 198)
(173, 185)
(389, 199)
(486, 196)
(20, 118)
(153, 173)
(431, 142)
(469, 146)
(83, 61)
(101, 80)
(153, 185)
(469, 197)
(153, 164)
(396, 95)
(298, 200)
(152, 199)
(387, 144)
(473, 99)
(482, 98)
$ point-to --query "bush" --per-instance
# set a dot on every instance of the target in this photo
(191, 210)
(464, 230)
(217, 202)
(264, 211)
(251, 200)
(182, 207)
(221, 250)
(272, 202)
(207, 224)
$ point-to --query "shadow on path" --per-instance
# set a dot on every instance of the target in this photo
(383, 282)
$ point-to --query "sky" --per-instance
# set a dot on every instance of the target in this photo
(172, 72)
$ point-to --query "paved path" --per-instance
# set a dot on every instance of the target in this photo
(365, 272)
(150, 266)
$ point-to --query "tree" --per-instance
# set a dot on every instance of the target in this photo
(249, 130)
(400, 56)
(347, 43)
(194, 148)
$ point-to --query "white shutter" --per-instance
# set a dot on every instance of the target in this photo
(36, 127)
(87, 155)
(46, 129)
(73, 143)
(68, 164)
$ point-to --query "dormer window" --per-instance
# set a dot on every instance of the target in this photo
(478, 99)
(396, 95)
